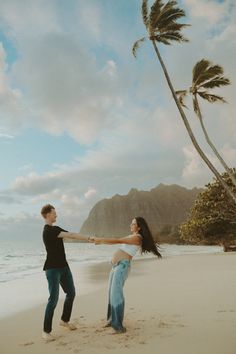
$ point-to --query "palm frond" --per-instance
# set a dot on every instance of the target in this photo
(170, 3)
(204, 71)
(163, 25)
(173, 26)
(172, 36)
(161, 39)
(137, 45)
(145, 13)
(154, 13)
(171, 15)
(195, 106)
(181, 95)
(199, 67)
(169, 6)
(211, 98)
(210, 73)
(216, 82)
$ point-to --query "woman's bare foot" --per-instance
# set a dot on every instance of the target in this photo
(108, 324)
(119, 331)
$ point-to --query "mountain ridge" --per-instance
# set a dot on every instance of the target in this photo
(164, 206)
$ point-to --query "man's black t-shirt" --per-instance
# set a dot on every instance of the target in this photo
(54, 245)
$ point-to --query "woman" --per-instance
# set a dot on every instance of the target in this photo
(140, 239)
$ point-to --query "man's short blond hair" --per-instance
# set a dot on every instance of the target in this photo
(46, 209)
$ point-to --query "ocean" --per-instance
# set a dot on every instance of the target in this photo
(21, 259)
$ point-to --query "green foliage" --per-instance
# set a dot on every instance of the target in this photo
(206, 75)
(169, 234)
(137, 45)
(212, 219)
(161, 23)
(145, 12)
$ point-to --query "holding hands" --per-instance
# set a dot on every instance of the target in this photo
(95, 240)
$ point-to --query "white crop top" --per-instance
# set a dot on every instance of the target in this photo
(130, 249)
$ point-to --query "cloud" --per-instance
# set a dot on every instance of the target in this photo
(6, 136)
(130, 157)
(87, 11)
(90, 193)
(7, 199)
(21, 227)
(68, 92)
(195, 170)
(11, 103)
(18, 17)
(76, 75)
(229, 154)
(212, 11)
(34, 184)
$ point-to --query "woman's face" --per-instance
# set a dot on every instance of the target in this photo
(134, 226)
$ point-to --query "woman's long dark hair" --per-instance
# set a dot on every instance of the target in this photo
(148, 243)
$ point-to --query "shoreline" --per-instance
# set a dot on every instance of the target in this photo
(177, 305)
(32, 289)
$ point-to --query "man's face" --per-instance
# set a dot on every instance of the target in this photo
(52, 216)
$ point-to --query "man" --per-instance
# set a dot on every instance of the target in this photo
(57, 271)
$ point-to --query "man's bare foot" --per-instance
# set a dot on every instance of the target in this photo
(68, 325)
(48, 337)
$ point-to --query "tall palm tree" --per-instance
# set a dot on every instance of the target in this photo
(162, 27)
(207, 76)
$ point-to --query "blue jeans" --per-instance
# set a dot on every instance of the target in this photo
(116, 302)
(56, 277)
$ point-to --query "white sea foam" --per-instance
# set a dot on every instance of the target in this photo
(19, 260)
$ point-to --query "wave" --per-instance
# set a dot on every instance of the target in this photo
(30, 261)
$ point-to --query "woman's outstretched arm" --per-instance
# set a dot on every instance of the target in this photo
(130, 240)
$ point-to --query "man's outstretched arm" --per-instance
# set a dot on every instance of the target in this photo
(73, 236)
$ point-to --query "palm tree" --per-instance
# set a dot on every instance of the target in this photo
(162, 27)
(206, 76)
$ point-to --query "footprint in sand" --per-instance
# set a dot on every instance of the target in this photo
(127, 346)
(62, 344)
(26, 344)
(226, 310)
(163, 324)
(142, 342)
(99, 330)
(172, 323)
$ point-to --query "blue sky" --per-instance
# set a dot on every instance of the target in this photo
(81, 119)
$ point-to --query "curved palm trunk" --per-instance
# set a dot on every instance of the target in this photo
(220, 158)
(189, 130)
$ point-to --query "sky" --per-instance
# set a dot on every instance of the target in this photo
(81, 119)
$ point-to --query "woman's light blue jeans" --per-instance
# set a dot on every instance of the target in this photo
(116, 302)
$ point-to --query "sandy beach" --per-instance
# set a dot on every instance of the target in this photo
(177, 305)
